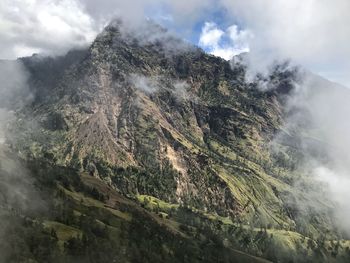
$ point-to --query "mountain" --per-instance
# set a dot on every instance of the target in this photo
(142, 148)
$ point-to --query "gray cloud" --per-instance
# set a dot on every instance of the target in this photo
(13, 88)
(319, 111)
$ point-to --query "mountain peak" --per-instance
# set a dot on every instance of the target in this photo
(148, 34)
(143, 115)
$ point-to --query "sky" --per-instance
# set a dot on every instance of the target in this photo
(312, 33)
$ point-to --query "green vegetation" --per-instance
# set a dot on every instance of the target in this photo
(79, 228)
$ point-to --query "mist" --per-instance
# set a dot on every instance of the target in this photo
(149, 85)
(143, 83)
(317, 112)
(329, 107)
(18, 195)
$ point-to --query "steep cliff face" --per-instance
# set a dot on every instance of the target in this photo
(174, 125)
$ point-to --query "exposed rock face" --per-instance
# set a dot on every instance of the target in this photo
(193, 131)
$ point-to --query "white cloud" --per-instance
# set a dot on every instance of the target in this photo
(210, 35)
(240, 38)
(54, 26)
(310, 32)
(212, 39)
(43, 26)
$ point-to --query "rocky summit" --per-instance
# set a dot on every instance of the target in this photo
(143, 148)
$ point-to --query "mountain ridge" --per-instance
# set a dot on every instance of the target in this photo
(171, 130)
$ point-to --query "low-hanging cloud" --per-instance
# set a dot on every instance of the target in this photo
(18, 194)
(317, 123)
(13, 88)
(55, 26)
(312, 33)
(149, 85)
(144, 84)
